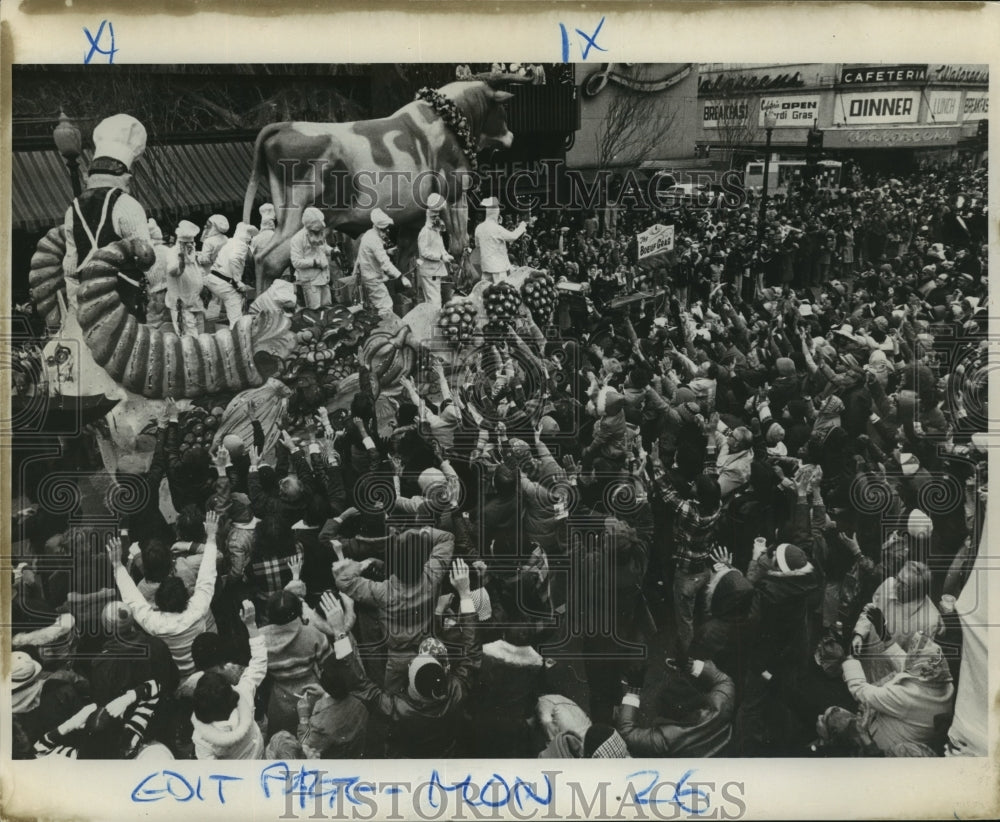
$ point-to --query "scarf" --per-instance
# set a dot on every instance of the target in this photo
(925, 660)
(828, 417)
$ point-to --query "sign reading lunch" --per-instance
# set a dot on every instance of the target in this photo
(870, 108)
(796, 111)
(943, 106)
(882, 75)
(655, 240)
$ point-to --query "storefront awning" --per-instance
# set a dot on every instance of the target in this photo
(170, 181)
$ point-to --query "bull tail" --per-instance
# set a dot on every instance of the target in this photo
(257, 168)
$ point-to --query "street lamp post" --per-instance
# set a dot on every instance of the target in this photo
(68, 143)
(769, 123)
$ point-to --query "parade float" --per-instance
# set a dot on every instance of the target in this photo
(100, 362)
(274, 366)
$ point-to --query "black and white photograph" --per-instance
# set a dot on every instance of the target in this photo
(489, 411)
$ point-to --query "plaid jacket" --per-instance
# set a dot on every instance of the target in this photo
(272, 574)
(693, 534)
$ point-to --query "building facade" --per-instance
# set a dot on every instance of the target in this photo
(889, 117)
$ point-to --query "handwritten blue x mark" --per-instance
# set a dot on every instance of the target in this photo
(96, 43)
(590, 41)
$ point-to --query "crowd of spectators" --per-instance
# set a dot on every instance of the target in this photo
(733, 523)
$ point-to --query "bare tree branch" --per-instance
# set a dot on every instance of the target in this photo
(634, 126)
(737, 118)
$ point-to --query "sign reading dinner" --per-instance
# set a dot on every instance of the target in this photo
(655, 240)
(876, 108)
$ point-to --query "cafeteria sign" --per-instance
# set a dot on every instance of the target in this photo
(655, 240)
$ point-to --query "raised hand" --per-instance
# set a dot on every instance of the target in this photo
(334, 612)
(221, 457)
(254, 454)
(460, 577)
(115, 552)
(721, 556)
(211, 524)
(248, 614)
(295, 564)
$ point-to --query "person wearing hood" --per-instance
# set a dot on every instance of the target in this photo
(185, 281)
(433, 256)
(213, 238)
(223, 717)
(310, 255)
(106, 212)
(492, 239)
(296, 650)
(373, 266)
(908, 706)
(156, 279)
(426, 717)
(240, 536)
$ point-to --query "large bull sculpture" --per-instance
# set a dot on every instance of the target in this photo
(395, 163)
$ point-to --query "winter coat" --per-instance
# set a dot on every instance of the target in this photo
(295, 652)
(238, 736)
(902, 709)
(706, 736)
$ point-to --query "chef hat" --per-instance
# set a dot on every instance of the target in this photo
(221, 223)
(380, 219)
(118, 141)
(154, 230)
(245, 231)
(186, 230)
(491, 202)
(312, 218)
(435, 203)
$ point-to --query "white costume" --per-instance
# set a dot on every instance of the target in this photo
(492, 239)
(432, 254)
(373, 265)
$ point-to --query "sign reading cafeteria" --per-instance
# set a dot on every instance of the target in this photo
(790, 112)
(654, 240)
(870, 108)
(879, 75)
